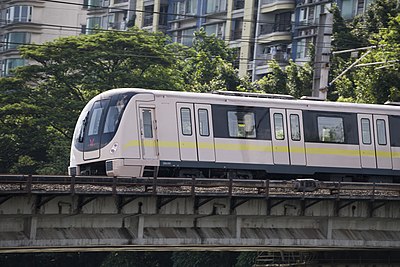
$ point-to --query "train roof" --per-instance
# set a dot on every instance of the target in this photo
(283, 101)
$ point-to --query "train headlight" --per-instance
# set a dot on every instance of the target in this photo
(114, 148)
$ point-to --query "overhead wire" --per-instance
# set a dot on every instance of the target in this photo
(130, 54)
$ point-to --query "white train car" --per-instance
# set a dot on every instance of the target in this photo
(138, 132)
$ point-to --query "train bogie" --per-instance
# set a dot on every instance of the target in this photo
(138, 132)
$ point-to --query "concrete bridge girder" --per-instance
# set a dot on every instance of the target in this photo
(73, 220)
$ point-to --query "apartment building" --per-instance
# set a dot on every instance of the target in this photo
(260, 30)
(34, 22)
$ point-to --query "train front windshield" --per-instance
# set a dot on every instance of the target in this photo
(101, 122)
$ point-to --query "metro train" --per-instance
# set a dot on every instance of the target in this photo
(151, 133)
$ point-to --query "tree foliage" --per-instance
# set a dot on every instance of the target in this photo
(377, 80)
(293, 80)
(40, 104)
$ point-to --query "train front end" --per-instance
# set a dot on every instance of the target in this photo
(103, 128)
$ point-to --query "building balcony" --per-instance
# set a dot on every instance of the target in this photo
(268, 6)
(262, 62)
(274, 33)
(119, 26)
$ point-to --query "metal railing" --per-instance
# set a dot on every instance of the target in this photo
(64, 185)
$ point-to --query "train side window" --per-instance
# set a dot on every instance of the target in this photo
(381, 132)
(147, 124)
(295, 127)
(203, 122)
(241, 124)
(186, 121)
(366, 131)
(330, 129)
(278, 123)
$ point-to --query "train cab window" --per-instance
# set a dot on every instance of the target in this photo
(366, 131)
(147, 123)
(295, 127)
(330, 129)
(278, 123)
(186, 121)
(381, 132)
(203, 122)
(241, 124)
(95, 119)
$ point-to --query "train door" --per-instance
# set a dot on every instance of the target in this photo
(204, 133)
(279, 136)
(382, 141)
(148, 138)
(366, 140)
(186, 132)
(295, 137)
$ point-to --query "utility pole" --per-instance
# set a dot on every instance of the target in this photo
(322, 56)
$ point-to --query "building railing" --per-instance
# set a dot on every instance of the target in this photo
(271, 28)
(269, 2)
(280, 57)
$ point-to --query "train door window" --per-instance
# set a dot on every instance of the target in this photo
(331, 129)
(186, 121)
(295, 127)
(241, 124)
(381, 132)
(203, 122)
(366, 131)
(278, 124)
(147, 123)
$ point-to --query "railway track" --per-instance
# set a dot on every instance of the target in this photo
(60, 185)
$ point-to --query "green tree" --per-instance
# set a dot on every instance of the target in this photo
(294, 80)
(138, 259)
(208, 65)
(200, 259)
(373, 83)
(41, 103)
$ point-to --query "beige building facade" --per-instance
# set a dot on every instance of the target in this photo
(34, 22)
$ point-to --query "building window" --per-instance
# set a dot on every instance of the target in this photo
(331, 129)
(148, 16)
(163, 15)
(92, 24)
(191, 7)
(241, 124)
(19, 14)
(10, 64)
(216, 29)
(283, 22)
(187, 36)
(13, 40)
(237, 29)
(238, 4)
(214, 6)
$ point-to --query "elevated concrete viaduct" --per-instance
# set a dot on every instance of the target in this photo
(162, 215)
